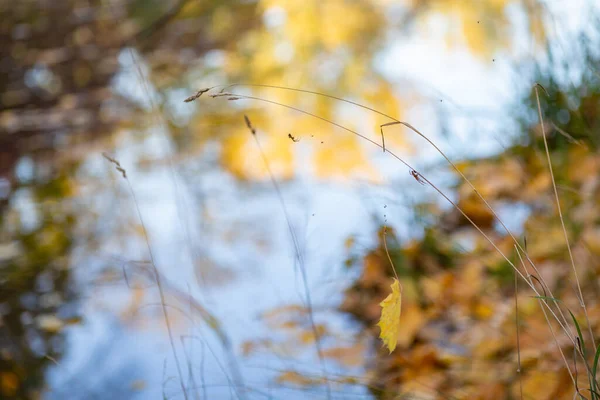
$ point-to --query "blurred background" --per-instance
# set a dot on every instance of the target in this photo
(271, 253)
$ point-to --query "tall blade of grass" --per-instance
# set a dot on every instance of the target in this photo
(547, 298)
(563, 323)
(562, 221)
(543, 303)
(594, 370)
(157, 277)
(518, 336)
(577, 390)
(541, 300)
(412, 128)
(299, 255)
(582, 344)
(591, 373)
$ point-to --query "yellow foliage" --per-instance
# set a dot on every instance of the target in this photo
(241, 156)
(390, 317)
(480, 25)
(340, 155)
(290, 48)
(287, 50)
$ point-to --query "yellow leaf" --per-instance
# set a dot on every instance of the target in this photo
(390, 317)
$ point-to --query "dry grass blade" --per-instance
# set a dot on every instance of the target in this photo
(564, 325)
(569, 137)
(197, 95)
(518, 336)
(182, 219)
(117, 165)
(397, 122)
(299, 256)
(543, 301)
(249, 125)
(421, 179)
(156, 273)
(562, 221)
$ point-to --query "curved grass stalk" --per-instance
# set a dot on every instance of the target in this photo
(564, 326)
(562, 221)
(395, 121)
(301, 262)
(543, 299)
(550, 327)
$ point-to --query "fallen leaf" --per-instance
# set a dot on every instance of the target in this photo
(413, 319)
(295, 378)
(9, 383)
(352, 356)
(308, 336)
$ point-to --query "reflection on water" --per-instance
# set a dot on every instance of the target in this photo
(81, 315)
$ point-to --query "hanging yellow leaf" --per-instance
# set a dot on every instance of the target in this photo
(390, 317)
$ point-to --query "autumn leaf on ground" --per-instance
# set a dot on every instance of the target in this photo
(389, 323)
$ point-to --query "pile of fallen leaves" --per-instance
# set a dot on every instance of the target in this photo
(457, 335)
